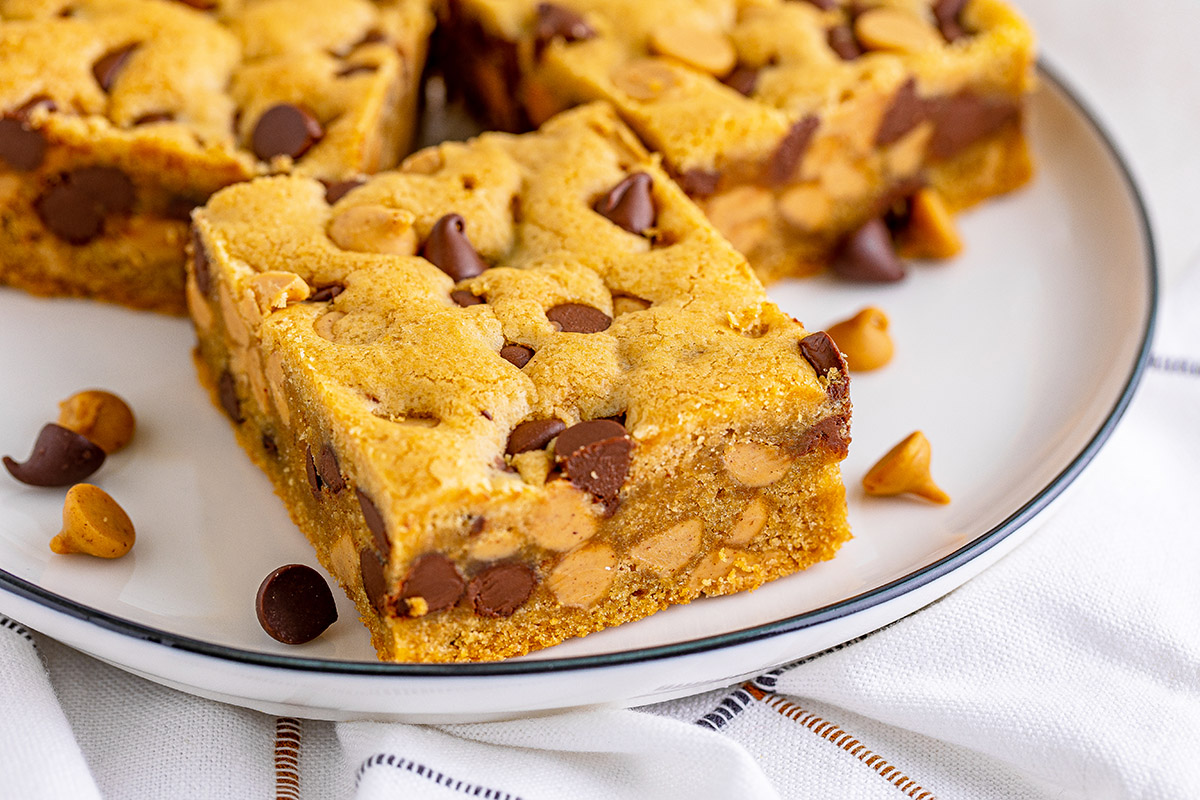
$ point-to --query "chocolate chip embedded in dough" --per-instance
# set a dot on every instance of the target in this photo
(578, 318)
(285, 130)
(629, 204)
(698, 182)
(375, 522)
(374, 581)
(23, 147)
(294, 604)
(948, 15)
(60, 457)
(841, 40)
(869, 255)
(154, 117)
(582, 434)
(434, 578)
(906, 111)
(74, 207)
(464, 298)
(310, 471)
(533, 434)
(227, 394)
(600, 468)
(351, 70)
(109, 66)
(516, 354)
(329, 470)
(742, 79)
(326, 293)
(791, 149)
(824, 5)
(822, 354)
(501, 589)
(557, 22)
(200, 267)
(200, 5)
(336, 190)
(268, 445)
(965, 118)
(449, 249)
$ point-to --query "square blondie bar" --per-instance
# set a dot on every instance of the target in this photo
(518, 390)
(118, 117)
(794, 123)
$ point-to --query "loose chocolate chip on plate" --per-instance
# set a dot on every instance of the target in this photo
(326, 293)
(534, 434)
(791, 149)
(499, 590)
(742, 79)
(60, 457)
(629, 204)
(374, 581)
(329, 470)
(556, 22)
(285, 130)
(75, 206)
(841, 40)
(227, 393)
(374, 520)
(869, 255)
(336, 190)
(820, 351)
(906, 111)
(436, 579)
(109, 65)
(516, 354)
(200, 268)
(294, 604)
(449, 249)
(578, 318)
(464, 298)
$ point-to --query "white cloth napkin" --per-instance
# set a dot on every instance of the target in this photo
(1071, 669)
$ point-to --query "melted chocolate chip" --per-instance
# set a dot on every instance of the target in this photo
(557, 22)
(374, 520)
(336, 190)
(790, 150)
(434, 578)
(449, 249)
(329, 470)
(227, 394)
(310, 471)
(109, 66)
(841, 40)
(75, 206)
(285, 130)
(516, 354)
(742, 80)
(831, 433)
(294, 604)
(200, 267)
(869, 255)
(464, 298)
(578, 318)
(965, 118)
(629, 204)
(822, 354)
(534, 434)
(501, 589)
(60, 457)
(374, 582)
(906, 111)
(326, 293)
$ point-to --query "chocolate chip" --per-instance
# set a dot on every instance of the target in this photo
(110, 65)
(556, 22)
(948, 15)
(336, 190)
(23, 147)
(742, 79)
(698, 182)
(227, 394)
(841, 40)
(629, 204)
(310, 471)
(824, 5)
(831, 433)
(180, 207)
(77, 202)
(868, 254)
(154, 118)
(200, 267)
(374, 520)
(374, 582)
(906, 111)
(819, 351)
(477, 526)
(200, 5)
(464, 298)
(356, 69)
(294, 604)
(285, 130)
(329, 471)
(790, 150)
(578, 318)
(499, 590)
(534, 434)
(965, 118)
(449, 249)
(434, 578)
(326, 293)
(584, 433)
(516, 354)
(60, 457)
(601, 467)
(268, 445)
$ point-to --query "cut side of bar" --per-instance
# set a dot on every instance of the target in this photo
(518, 390)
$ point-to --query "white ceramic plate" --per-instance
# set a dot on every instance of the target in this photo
(1016, 360)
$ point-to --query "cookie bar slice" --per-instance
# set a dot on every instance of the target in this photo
(794, 123)
(518, 390)
(117, 117)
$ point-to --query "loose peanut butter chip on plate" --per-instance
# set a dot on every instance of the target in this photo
(905, 470)
(864, 339)
(93, 524)
(102, 417)
(294, 604)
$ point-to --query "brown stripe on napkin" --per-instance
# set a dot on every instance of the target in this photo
(287, 758)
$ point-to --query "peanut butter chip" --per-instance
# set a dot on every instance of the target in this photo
(896, 30)
(60, 457)
(516, 354)
(374, 520)
(705, 50)
(578, 318)
(434, 578)
(102, 417)
(93, 524)
(905, 470)
(534, 434)
(868, 255)
(285, 130)
(864, 339)
(629, 204)
(108, 66)
(557, 22)
(501, 589)
(294, 604)
(646, 79)
(820, 351)
(449, 249)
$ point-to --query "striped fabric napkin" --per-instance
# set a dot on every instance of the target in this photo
(1071, 669)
